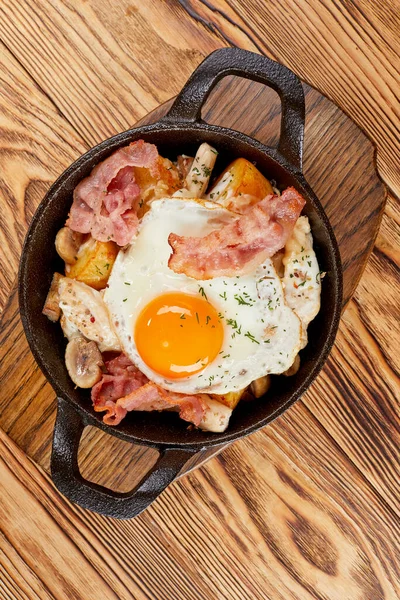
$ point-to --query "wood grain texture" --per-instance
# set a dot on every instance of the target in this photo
(346, 49)
(213, 534)
(36, 145)
(308, 508)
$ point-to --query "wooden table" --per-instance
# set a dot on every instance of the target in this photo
(307, 508)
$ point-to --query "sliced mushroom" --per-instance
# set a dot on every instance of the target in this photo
(83, 361)
(67, 244)
(294, 368)
(260, 386)
(51, 306)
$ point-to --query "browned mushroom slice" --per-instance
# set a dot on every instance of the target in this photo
(278, 264)
(184, 164)
(260, 386)
(294, 368)
(83, 361)
(67, 244)
(51, 306)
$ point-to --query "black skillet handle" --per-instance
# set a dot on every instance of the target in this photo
(234, 61)
(67, 478)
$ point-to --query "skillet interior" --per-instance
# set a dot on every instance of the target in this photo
(40, 260)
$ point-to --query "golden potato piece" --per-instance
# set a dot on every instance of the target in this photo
(294, 368)
(231, 399)
(51, 306)
(240, 186)
(164, 184)
(260, 386)
(94, 264)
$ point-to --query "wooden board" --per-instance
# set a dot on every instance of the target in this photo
(308, 508)
(339, 165)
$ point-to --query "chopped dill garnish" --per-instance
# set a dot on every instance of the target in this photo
(202, 292)
(251, 337)
(241, 300)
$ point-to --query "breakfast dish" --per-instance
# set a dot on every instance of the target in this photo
(179, 292)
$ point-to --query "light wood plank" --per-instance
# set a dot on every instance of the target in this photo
(102, 76)
(338, 160)
(290, 527)
(347, 50)
(305, 509)
(36, 146)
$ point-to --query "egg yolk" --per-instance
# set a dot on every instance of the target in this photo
(178, 335)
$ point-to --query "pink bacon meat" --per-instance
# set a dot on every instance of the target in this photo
(242, 245)
(124, 388)
(104, 203)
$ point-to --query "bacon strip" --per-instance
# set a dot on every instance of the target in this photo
(124, 388)
(151, 397)
(104, 202)
(242, 245)
(122, 379)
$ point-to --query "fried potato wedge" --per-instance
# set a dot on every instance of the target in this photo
(51, 306)
(260, 386)
(94, 263)
(240, 186)
(294, 368)
(164, 184)
(231, 399)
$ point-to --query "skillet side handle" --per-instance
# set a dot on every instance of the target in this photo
(235, 61)
(67, 478)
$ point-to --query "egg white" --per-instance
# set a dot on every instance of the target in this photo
(261, 332)
(301, 280)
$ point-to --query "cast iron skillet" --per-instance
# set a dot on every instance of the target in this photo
(181, 130)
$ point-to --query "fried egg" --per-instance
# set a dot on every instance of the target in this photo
(302, 278)
(192, 336)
